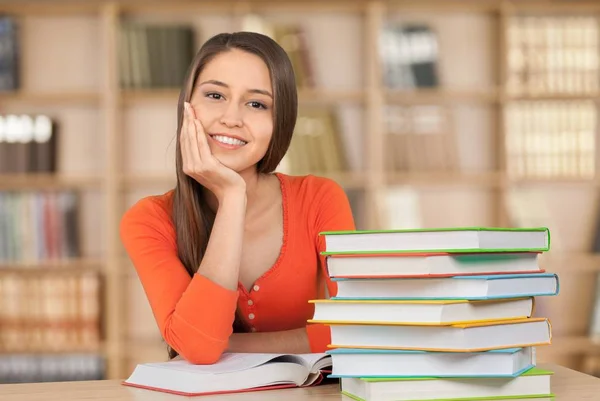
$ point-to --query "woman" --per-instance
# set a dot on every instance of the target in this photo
(230, 258)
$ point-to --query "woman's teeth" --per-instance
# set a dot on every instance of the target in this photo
(228, 140)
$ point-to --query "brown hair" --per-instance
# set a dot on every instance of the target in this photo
(192, 217)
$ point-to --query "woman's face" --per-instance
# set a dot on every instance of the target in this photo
(233, 99)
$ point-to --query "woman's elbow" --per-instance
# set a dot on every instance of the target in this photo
(199, 351)
(203, 355)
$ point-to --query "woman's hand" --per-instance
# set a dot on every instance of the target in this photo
(200, 164)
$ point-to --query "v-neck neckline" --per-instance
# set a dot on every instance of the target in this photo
(282, 251)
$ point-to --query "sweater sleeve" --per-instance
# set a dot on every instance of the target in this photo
(194, 314)
(331, 212)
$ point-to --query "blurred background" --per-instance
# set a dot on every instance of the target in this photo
(430, 113)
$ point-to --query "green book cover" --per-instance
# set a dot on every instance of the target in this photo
(509, 397)
(441, 229)
(437, 229)
(535, 371)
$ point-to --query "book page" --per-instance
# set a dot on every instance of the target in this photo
(229, 362)
(310, 360)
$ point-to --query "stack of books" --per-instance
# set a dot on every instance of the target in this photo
(440, 314)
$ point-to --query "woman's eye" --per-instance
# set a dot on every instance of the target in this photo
(215, 96)
(257, 105)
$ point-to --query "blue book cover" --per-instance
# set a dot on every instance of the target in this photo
(473, 277)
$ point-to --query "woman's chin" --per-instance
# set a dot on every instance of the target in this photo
(231, 164)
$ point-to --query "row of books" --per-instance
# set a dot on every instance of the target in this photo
(316, 144)
(428, 314)
(50, 312)
(420, 138)
(293, 39)
(553, 54)
(154, 56)
(40, 226)
(28, 144)
(551, 139)
(35, 368)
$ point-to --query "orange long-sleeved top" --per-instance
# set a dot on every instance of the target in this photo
(195, 315)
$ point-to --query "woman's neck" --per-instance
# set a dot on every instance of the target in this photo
(254, 188)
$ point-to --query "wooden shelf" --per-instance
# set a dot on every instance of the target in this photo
(443, 95)
(50, 98)
(553, 7)
(147, 180)
(551, 97)
(49, 8)
(485, 179)
(58, 266)
(48, 181)
(86, 351)
(437, 6)
(508, 181)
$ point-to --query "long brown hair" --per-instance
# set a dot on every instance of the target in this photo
(192, 217)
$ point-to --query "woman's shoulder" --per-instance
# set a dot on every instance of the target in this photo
(311, 185)
(149, 210)
(311, 193)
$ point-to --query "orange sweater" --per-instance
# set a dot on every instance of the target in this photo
(195, 315)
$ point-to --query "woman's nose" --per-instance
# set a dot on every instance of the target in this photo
(232, 116)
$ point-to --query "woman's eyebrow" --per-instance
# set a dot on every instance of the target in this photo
(224, 85)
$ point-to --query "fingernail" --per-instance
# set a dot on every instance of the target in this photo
(186, 106)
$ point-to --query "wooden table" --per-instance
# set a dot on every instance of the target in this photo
(567, 384)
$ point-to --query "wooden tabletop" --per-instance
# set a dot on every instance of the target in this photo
(567, 384)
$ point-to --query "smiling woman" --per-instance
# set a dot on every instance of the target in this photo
(231, 256)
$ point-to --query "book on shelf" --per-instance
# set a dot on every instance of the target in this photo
(419, 312)
(420, 138)
(551, 139)
(473, 287)
(10, 53)
(36, 368)
(594, 326)
(48, 313)
(234, 372)
(293, 38)
(154, 55)
(316, 144)
(362, 363)
(38, 227)
(456, 239)
(28, 144)
(409, 55)
(534, 383)
(552, 54)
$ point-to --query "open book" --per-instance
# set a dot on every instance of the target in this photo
(234, 372)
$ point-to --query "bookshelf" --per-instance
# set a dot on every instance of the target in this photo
(117, 144)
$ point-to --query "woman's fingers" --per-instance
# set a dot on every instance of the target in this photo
(203, 147)
(196, 158)
(201, 142)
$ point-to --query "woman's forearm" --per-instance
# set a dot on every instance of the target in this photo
(288, 342)
(221, 262)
